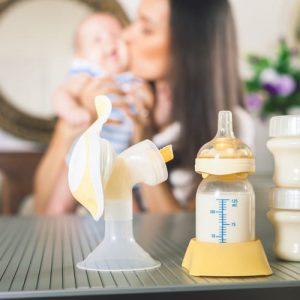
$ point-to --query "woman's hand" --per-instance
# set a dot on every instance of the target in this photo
(68, 133)
(137, 103)
(95, 87)
(138, 107)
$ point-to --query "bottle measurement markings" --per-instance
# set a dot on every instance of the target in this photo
(223, 206)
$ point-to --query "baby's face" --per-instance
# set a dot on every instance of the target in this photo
(99, 42)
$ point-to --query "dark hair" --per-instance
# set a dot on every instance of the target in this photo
(204, 74)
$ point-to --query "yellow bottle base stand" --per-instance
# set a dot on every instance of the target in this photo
(226, 259)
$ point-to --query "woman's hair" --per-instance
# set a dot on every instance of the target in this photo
(204, 74)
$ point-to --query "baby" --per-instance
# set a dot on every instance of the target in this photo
(99, 52)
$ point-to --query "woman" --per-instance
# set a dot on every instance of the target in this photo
(188, 48)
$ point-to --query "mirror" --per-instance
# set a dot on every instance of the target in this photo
(35, 54)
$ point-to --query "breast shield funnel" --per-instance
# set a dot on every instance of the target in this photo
(102, 182)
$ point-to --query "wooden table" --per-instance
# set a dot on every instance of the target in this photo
(38, 258)
(17, 170)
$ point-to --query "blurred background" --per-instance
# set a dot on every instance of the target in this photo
(36, 51)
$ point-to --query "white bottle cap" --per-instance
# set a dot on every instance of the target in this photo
(285, 126)
(284, 198)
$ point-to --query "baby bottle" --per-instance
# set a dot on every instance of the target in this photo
(284, 215)
(285, 147)
(225, 207)
(284, 199)
(225, 243)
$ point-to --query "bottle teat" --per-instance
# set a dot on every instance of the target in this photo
(225, 125)
(225, 154)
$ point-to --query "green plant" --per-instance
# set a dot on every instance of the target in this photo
(274, 85)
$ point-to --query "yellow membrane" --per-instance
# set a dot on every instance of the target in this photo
(167, 153)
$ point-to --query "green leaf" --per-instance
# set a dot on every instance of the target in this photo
(282, 64)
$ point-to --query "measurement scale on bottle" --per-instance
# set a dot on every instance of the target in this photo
(225, 218)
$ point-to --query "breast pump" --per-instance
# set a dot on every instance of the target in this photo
(102, 182)
(225, 243)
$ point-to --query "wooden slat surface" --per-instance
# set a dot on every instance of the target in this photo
(40, 254)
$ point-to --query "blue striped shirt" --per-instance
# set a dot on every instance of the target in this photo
(118, 135)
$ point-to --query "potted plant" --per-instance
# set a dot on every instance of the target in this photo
(274, 86)
(272, 89)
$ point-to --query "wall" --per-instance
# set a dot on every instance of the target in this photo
(36, 50)
(260, 23)
(130, 7)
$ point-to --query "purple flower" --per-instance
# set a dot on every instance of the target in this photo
(254, 101)
(269, 76)
(271, 88)
(277, 84)
(285, 85)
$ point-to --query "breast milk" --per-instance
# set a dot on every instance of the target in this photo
(232, 223)
(285, 147)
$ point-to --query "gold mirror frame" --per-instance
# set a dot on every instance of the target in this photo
(24, 125)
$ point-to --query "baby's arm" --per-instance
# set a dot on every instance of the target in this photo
(66, 100)
(122, 49)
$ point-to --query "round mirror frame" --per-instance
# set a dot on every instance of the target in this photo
(24, 125)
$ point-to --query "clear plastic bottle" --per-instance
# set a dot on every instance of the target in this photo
(225, 200)
(284, 214)
(285, 147)
(225, 209)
